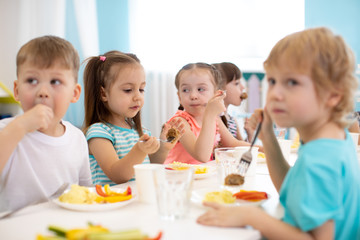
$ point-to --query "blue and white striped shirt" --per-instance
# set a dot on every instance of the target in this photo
(123, 140)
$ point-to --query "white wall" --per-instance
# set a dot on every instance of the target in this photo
(22, 20)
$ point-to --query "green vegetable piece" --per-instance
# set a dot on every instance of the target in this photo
(59, 231)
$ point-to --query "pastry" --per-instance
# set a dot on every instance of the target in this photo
(243, 96)
(172, 135)
(234, 179)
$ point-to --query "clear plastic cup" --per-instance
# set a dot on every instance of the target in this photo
(173, 192)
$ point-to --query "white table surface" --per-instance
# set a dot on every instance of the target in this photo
(34, 220)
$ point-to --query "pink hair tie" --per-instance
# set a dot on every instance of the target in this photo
(102, 58)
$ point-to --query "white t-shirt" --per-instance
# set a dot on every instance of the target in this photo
(41, 163)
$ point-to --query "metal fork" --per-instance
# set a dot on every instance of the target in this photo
(160, 140)
(246, 158)
(56, 194)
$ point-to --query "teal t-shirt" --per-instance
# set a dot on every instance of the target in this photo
(123, 140)
(324, 184)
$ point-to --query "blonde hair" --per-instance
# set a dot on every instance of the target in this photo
(45, 51)
(329, 60)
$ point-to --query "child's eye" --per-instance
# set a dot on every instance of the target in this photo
(55, 82)
(127, 90)
(32, 81)
(185, 90)
(292, 82)
(271, 81)
(142, 90)
(201, 89)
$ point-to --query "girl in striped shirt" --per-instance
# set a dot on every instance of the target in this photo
(231, 75)
(114, 95)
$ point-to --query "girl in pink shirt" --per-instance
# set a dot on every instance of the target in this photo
(200, 106)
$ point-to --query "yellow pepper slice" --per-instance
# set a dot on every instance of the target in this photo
(113, 199)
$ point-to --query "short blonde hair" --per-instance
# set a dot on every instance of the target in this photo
(45, 51)
(329, 60)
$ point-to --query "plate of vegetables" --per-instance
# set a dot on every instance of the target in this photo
(229, 198)
(95, 232)
(100, 198)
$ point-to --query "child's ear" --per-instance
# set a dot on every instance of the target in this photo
(77, 92)
(103, 94)
(16, 90)
(334, 98)
(179, 96)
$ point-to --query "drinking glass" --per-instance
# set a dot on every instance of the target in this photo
(173, 192)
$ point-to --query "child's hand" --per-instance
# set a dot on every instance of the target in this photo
(249, 130)
(255, 118)
(148, 144)
(37, 118)
(223, 216)
(178, 125)
(216, 105)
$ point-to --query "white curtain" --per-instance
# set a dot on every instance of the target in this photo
(86, 19)
(22, 20)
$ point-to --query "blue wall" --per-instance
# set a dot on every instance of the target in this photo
(341, 16)
(113, 27)
(113, 22)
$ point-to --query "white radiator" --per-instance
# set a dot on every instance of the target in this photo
(161, 101)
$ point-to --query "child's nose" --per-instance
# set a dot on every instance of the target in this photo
(138, 95)
(276, 92)
(193, 95)
(43, 92)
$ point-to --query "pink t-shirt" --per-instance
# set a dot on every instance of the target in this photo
(179, 153)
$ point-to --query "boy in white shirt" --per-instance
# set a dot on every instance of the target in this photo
(38, 150)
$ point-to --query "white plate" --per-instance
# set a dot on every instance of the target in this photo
(197, 197)
(96, 206)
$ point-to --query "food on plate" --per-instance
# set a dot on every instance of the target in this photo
(110, 196)
(98, 232)
(261, 155)
(200, 169)
(243, 96)
(82, 195)
(296, 142)
(172, 135)
(253, 196)
(179, 166)
(234, 179)
(183, 166)
(78, 195)
(224, 196)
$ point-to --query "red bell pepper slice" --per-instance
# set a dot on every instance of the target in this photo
(250, 195)
(158, 237)
(128, 190)
(100, 191)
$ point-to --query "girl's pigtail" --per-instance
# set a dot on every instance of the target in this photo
(95, 110)
(223, 118)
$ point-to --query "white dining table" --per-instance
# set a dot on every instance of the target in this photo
(33, 220)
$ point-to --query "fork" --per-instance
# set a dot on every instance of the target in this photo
(246, 158)
(56, 194)
(160, 140)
